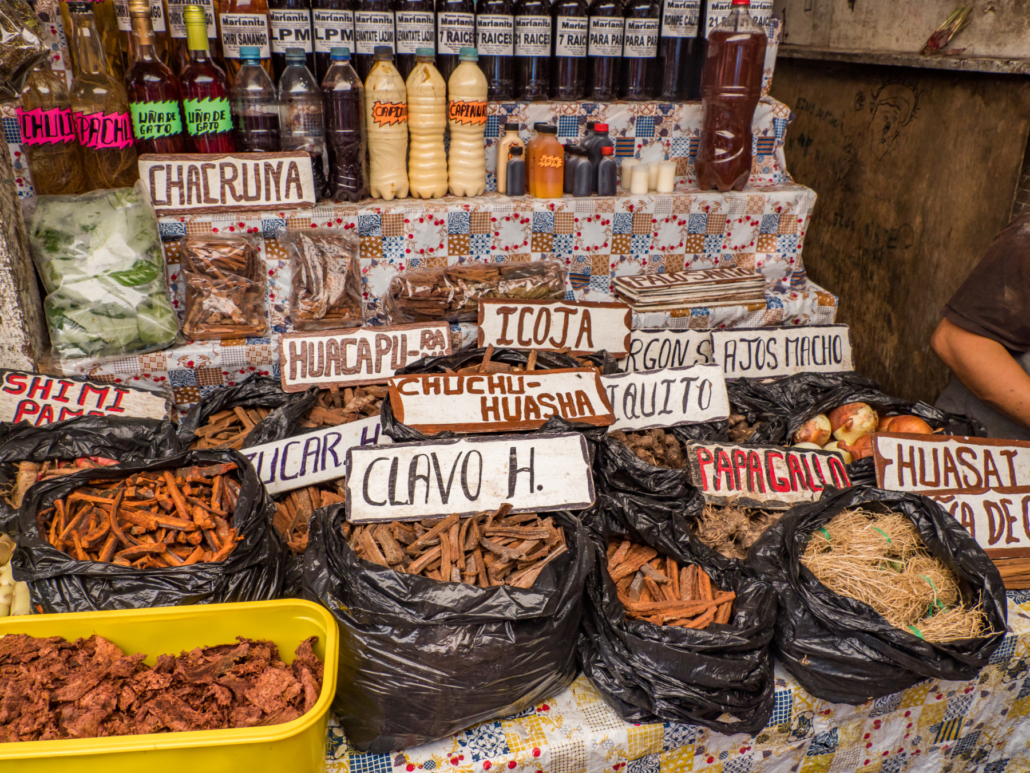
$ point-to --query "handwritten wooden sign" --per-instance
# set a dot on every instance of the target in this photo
(356, 356)
(999, 523)
(667, 348)
(767, 477)
(313, 458)
(193, 183)
(498, 402)
(762, 352)
(666, 398)
(582, 327)
(535, 473)
(42, 400)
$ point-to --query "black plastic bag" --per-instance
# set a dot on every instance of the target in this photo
(617, 468)
(422, 659)
(842, 650)
(253, 572)
(650, 673)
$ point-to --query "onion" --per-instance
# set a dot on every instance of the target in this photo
(851, 421)
(815, 430)
(885, 422)
(913, 425)
(835, 448)
(860, 449)
(808, 446)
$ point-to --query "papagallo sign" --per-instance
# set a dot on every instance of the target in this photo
(42, 400)
(766, 477)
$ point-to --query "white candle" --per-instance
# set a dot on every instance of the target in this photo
(652, 176)
(666, 177)
(627, 172)
(638, 182)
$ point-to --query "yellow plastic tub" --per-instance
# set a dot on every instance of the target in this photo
(294, 747)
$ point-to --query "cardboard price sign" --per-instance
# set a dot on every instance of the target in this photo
(535, 473)
(668, 348)
(762, 352)
(190, 183)
(498, 402)
(583, 328)
(305, 460)
(42, 400)
(999, 523)
(356, 356)
(666, 398)
(767, 477)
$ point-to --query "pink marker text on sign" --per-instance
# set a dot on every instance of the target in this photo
(46, 127)
(104, 130)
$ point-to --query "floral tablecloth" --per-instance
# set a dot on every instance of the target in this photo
(935, 727)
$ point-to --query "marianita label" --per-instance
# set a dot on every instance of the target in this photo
(467, 112)
(389, 113)
(46, 127)
(103, 130)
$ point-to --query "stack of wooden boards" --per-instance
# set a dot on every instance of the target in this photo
(706, 287)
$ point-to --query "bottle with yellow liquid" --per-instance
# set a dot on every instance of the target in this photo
(466, 114)
(427, 119)
(386, 105)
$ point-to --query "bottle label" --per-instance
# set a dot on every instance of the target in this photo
(390, 113)
(606, 35)
(177, 23)
(121, 10)
(46, 127)
(208, 116)
(244, 29)
(454, 31)
(680, 18)
(157, 15)
(153, 120)
(415, 29)
(532, 36)
(718, 10)
(554, 162)
(572, 36)
(467, 113)
(290, 29)
(103, 130)
(641, 41)
(371, 29)
(495, 35)
(333, 28)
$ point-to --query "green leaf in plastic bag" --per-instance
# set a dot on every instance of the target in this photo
(157, 321)
(142, 272)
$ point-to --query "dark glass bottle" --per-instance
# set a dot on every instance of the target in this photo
(681, 49)
(455, 30)
(290, 24)
(604, 51)
(177, 32)
(569, 65)
(532, 49)
(373, 26)
(495, 41)
(205, 91)
(416, 28)
(640, 50)
(244, 23)
(153, 90)
(333, 23)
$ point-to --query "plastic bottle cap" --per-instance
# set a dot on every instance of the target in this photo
(292, 54)
(383, 52)
(547, 128)
(511, 127)
(425, 52)
(539, 125)
(339, 52)
(607, 150)
(591, 125)
(250, 53)
(601, 128)
(516, 151)
(468, 54)
(741, 2)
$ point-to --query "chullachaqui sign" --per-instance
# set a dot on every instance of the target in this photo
(356, 356)
(763, 476)
(666, 398)
(313, 458)
(667, 348)
(187, 183)
(762, 352)
(581, 327)
(41, 399)
(983, 483)
(498, 402)
(534, 473)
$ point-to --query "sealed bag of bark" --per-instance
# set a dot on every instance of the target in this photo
(449, 622)
(190, 529)
(878, 590)
(672, 631)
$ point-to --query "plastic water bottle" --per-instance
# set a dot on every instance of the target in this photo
(427, 121)
(301, 120)
(255, 105)
(386, 115)
(466, 112)
(344, 99)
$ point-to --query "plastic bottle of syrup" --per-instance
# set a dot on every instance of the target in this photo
(466, 118)
(640, 50)
(509, 141)
(427, 121)
(373, 27)
(532, 53)
(548, 156)
(386, 108)
(604, 49)
(681, 49)
(569, 66)
(205, 90)
(416, 29)
(516, 173)
(255, 106)
(455, 30)
(598, 142)
(730, 90)
(301, 115)
(333, 26)
(584, 181)
(607, 173)
(344, 99)
(495, 42)
(244, 23)
(573, 155)
(290, 24)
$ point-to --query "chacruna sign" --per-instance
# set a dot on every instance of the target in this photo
(581, 327)
(40, 399)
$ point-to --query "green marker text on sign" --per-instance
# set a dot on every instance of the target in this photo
(208, 116)
(153, 120)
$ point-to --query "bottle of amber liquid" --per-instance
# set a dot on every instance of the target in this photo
(547, 163)
(158, 30)
(244, 23)
(153, 90)
(100, 108)
(640, 50)
(106, 18)
(48, 134)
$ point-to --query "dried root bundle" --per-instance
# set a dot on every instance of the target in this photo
(654, 446)
(732, 530)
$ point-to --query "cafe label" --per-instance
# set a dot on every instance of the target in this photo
(498, 402)
(763, 352)
(42, 400)
(533, 473)
(666, 398)
(316, 457)
(356, 356)
(667, 348)
(581, 327)
(767, 477)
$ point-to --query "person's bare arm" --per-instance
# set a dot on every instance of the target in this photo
(986, 368)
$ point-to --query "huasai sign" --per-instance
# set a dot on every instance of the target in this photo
(581, 328)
